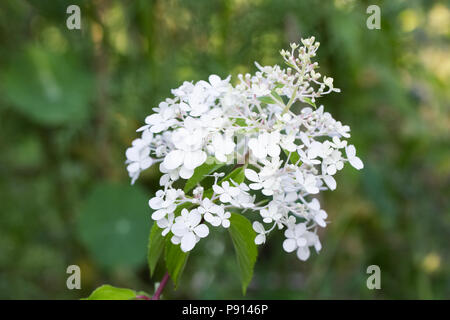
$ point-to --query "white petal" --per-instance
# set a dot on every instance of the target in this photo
(159, 214)
(258, 227)
(301, 242)
(174, 159)
(331, 170)
(330, 181)
(260, 238)
(155, 203)
(175, 240)
(153, 119)
(132, 153)
(218, 189)
(179, 229)
(188, 242)
(146, 163)
(194, 159)
(255, 186)
(351, 151)
(194, 218)
(251, 175)
(356, 163)
(225, 197)
(226, 223)
(186, 173)
(289, 245)
(214, 80)
(273, 150)
(133, 167)
(158, 127)
(201, 230)
(233, 191)
(312, 189)
(303, 253)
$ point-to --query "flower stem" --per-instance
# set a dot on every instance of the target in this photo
(161, 286)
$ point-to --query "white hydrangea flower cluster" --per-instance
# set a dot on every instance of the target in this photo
(288, 157)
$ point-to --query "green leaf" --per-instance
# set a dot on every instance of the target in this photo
(275, 94)
(294, 157)
(107, 292)
(237, 175)
(309, 101)
(201, 172)
(240, 122)
(113, 224)
(243, 237)
(175, 261)
(290, 65)
(267, 100)
(49, 88)
(156, 244)
(278, 85)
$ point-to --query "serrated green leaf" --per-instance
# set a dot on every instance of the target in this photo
(243, 237)
(201, 172)
(107, 292)
(267, 100)
(156, 243)
(175, 261)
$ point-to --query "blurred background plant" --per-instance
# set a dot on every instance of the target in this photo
(71, 101)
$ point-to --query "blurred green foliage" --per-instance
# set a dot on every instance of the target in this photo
(71, 101)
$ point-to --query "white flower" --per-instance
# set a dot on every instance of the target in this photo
(254, 177)
(163, 203)
(160, 121)
(270, 213)
(166, 223)
(202, 119)
(298, 238)
(187, 153)
(333, 163)
(263, 181)
(138, 156)
(295, 237)
(222, 146)
(318, 214)
(308, 181)
(261, 233)
(338, 144)
(352, 158)
(226, 191)
(224, 218)
(265, 144)
(188, 230)
(209, 211)
(287, 143)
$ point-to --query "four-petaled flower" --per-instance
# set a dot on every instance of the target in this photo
(226, 192)
(188, 229)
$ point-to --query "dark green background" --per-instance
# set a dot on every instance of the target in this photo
(70, 102)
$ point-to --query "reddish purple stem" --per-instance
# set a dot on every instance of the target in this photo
(161, 286)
